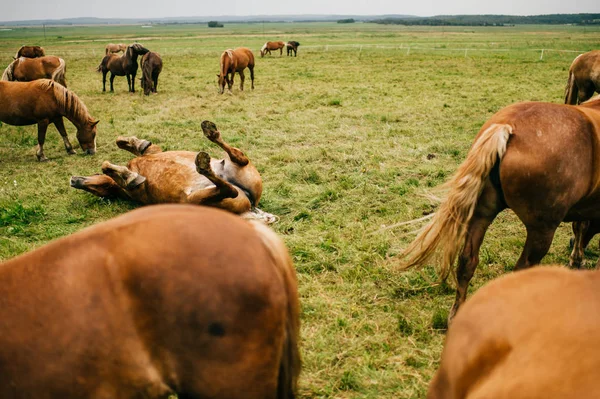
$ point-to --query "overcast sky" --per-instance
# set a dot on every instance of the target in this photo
(54, 9)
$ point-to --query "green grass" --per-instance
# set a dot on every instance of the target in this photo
(348, 140)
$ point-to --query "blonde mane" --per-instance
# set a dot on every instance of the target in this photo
(74, 109)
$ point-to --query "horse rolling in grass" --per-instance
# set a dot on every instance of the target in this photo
(584, 78)
(233, 61)
(537, 159)
(25, 69)
(44, 102)
(151, 68)
(292, 46)
(124, 65)
(162, 301)
(272, 46)
(30, 52)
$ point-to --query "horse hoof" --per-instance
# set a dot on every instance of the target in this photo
(133, 183)
(42, 158)
(203, 163)
(71, 152)
(210, 130)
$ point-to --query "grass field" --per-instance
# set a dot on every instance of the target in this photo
(349, 137)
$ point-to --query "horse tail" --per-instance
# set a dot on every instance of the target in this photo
(571, 90)
(447, 230)
(9, 71)
(59, 73)
(290, 364)
(102, 64)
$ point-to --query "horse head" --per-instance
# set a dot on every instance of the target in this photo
(138, 49)
(222, 80)
(86, 135)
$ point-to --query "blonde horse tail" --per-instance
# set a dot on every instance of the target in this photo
(447, 230)
(290, 364)
(571, 91)
(59, 73)
(8, 72)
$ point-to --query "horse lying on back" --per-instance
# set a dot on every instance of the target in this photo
(30, 52)
(532, 334)
(165, 300)
(27, 69)
(155, 176)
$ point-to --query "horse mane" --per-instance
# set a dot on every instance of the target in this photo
(229, 53)
(264, 47)
(8, 72)
(68, 102)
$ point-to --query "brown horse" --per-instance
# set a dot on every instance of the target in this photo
(584, 78)
(114, 48)
(30, 52)
(292, 46)
(537, 159)
(272, 46)
(25, 69)
(44, 102)
(233, 61)
(151, 68)
(165, 300)
(533, 334)
(155, 176)
(124, 65)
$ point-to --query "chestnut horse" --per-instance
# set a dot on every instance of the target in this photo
(233, 61)
(44, 102)
(272, 46)
(539, 160)
(25, 69)
(151, 68)
(155, 176)
(532, 334)
(292, 46)
(114, 48)
(30, 52)
(124, 65)
(584, 78)
(165, 300)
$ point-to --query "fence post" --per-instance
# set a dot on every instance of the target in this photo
(408, 51)
(542, 55)
(466, 52)
(327, 48)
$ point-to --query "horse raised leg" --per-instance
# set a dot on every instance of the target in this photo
(235, 154)
(60, 126)
(136, 146)
(124, 177)
(100, 185)
(42, 128)
(218, 193)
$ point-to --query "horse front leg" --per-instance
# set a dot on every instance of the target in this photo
(104, 80)
(42, 128)
(213, 134)
(112, 78)
(223, 189)
(230, 81)
(133, 82)
(60, 126)
(136, 146)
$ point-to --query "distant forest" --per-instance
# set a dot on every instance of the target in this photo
(495, 20)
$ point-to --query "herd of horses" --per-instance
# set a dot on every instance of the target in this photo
(193, 301)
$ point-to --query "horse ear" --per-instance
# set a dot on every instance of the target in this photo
(94, 123)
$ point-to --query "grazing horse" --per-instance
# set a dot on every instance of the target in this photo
(124, 65)
(115, 48)
(165, 300)
(155, 176)
(272, 46)
(233, 61)
(292, 46)
(533, 334)
(30, 52)
(151, 68)
(25, 69)
(584, 78)
(44, 102)
(538, 159)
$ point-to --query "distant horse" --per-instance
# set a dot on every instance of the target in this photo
(272, 46)
(151, 68)
(539, 159)
(44, 102)
(115, 48)
(233, 61)
(162, 301)
(532, 334)
(584, 78)
(155, 176)
(124, 65)
(292, 46)
(25, 69)
(30, 52)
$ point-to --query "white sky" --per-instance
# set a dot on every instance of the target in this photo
(54, 9)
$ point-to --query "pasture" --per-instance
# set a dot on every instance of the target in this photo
(350, 137)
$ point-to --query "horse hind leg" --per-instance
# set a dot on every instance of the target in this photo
(242, 78)
(222, 189)
(537, 244)
(137, 146)
(579, 231)
(42, 128)
(251, 68)
(213, 134)
(124, 177)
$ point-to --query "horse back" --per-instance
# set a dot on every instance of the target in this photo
(244, 57)
(26, 103)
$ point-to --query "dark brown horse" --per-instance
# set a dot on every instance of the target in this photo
(124, 65)
(155, 177)
(539, 160)
(532, 334)
(292, 46)
(44, 102)
(233, 61)
(30, 52)
(151, 68)
(584, 78)
(25, 69)
(165, 300)
(272, 46)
